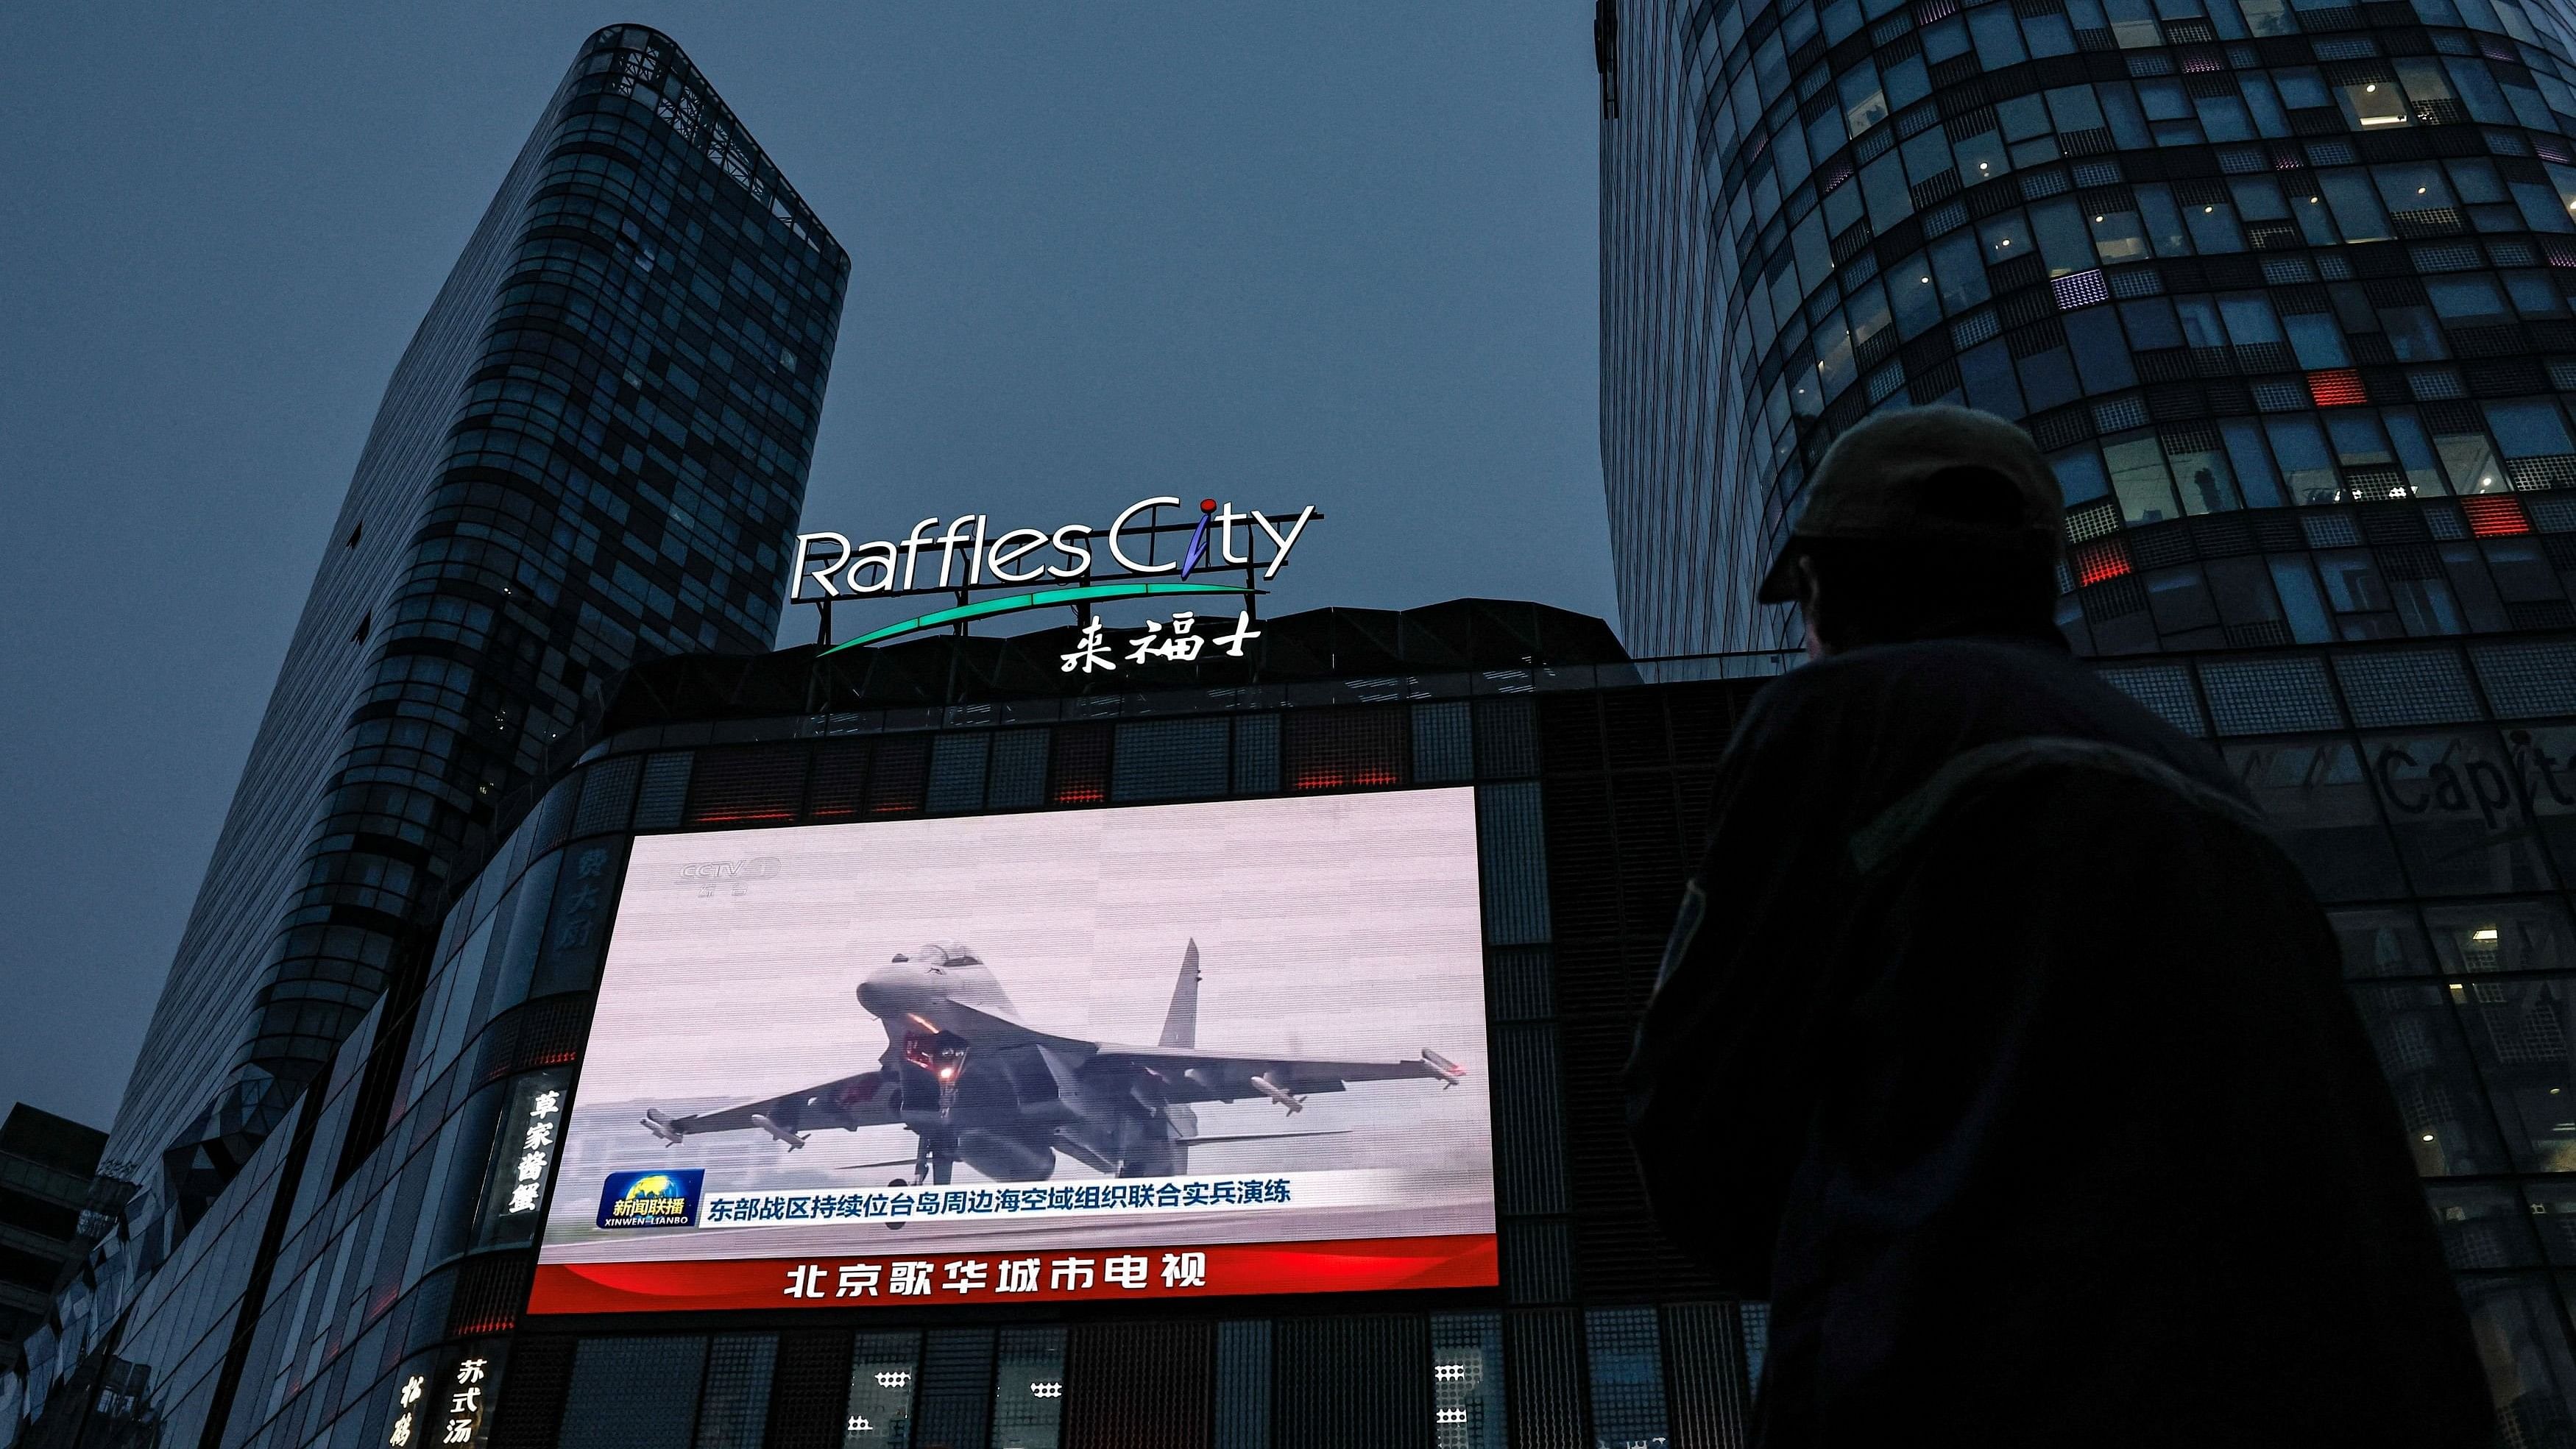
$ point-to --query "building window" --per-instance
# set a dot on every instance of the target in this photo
(1625, 1356)
(885, 1369)
(1028, 1388)
(1467, 1381)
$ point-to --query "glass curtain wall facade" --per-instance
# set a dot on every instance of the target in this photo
(2281, 289)
(1687, 542)
(594, 451)
(389, 1252)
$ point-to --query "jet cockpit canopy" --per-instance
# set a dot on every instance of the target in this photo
(940, 955)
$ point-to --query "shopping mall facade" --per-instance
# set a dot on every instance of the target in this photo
(404, 1243)
(379, 1255)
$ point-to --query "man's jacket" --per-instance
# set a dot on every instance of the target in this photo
(2001, 1048)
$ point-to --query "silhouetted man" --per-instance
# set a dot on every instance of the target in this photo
(2000, 1047)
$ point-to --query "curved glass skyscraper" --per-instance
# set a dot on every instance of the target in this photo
(2283, 291)
(594, 451)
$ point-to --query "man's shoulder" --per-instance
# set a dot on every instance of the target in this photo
(1930, 669)
(1944, 695)
(1891, 702)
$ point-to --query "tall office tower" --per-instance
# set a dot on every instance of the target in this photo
(594, 451)
(2245, 259)
(1687, 541)
(2283, 291)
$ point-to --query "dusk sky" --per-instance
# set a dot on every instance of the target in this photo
(1315, 252)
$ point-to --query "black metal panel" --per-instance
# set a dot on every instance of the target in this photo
(1706, 1388)
(532, 1393)
(1139, 1386)
(1360, 1383)
(956, 1403)
(1544, 1351)
(808, 1389)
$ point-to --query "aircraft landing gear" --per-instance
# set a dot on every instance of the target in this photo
(942, 1056)
(931, 1167)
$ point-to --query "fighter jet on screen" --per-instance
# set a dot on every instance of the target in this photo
(978, 1085)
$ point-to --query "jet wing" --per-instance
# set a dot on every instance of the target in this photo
(864, 1100)
(1200, 1074)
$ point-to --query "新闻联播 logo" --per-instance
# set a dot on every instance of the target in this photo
(667, 1198)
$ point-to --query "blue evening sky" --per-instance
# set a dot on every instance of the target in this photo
(1279, 251)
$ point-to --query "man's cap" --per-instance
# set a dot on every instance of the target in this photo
(1927, 475)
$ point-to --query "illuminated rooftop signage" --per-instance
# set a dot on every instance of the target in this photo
(829, 566)
(1084, 565)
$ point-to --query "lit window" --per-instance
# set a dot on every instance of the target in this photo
(2374, 103)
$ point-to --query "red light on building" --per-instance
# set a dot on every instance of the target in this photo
(2337, 387)
(1344, 749)
(2495, 516)
(743, 787)
(2095, 562)
(1335, 777)
(1078, 771)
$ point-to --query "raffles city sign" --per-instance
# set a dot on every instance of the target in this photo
(1138, 555)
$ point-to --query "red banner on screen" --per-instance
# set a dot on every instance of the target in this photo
(899, 1279)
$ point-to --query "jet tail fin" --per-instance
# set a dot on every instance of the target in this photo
(1181, 1023)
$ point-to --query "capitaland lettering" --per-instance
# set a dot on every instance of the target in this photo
(2472, 786)
(2541, 774)
(969, 554)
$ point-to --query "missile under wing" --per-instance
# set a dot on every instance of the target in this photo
(1203, 1074)
(867, 1099)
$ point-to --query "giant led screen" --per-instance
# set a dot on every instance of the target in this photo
(1147, 1052)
